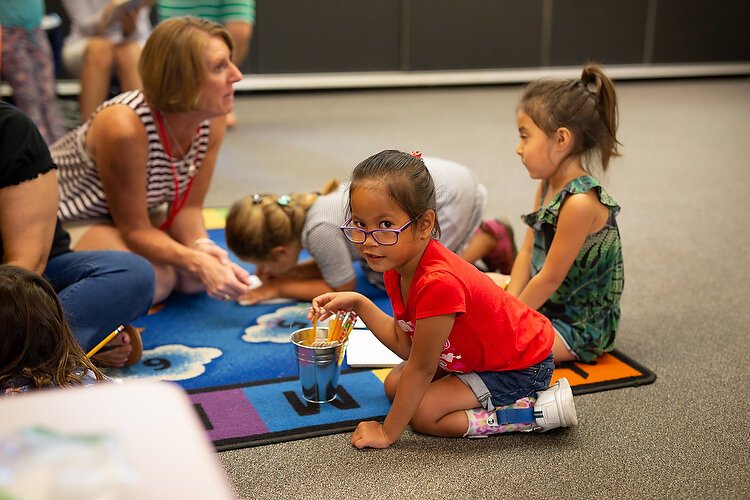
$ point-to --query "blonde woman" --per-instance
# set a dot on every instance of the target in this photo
(144, 150)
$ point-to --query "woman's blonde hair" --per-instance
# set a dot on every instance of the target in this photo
(171, 64)
(258, 223)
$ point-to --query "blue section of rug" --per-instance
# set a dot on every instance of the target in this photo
(241, 370)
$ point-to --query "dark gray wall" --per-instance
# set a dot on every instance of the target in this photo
(302, 36)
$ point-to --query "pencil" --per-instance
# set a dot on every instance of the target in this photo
(314, 328)
(105, 341)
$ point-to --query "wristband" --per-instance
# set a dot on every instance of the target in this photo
(201, 241)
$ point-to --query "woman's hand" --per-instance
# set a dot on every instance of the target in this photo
(222, 281)
(211, 248)
(329, 303)
(370, 434)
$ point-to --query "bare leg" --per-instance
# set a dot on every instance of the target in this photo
(126, 59)
(107, 237)
(241, 33)
(391, 381)
(442, 410)
(480, 245)
(560, 351)
(96, 74)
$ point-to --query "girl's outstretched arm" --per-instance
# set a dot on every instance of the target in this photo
(580, 215)
(291, 287)
(429, 339)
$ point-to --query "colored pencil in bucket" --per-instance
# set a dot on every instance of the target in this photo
(314, 329)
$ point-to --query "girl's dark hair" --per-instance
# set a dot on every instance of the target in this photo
(587, 107)
(35, 339)
(404, 177)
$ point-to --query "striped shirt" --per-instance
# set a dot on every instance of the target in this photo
(81, 192)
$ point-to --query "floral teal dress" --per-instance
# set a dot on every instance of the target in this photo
(585, 309)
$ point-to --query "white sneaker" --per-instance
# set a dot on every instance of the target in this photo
(554, 407)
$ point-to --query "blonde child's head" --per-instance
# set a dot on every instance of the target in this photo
(259, 223)
(36, 340)
(586, 106)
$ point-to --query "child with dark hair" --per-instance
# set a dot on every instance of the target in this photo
(476, 357)
(570, 267)
(37, 346)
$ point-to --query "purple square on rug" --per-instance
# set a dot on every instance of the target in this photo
(229, 414)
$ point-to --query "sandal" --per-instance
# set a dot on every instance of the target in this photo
(134, 336)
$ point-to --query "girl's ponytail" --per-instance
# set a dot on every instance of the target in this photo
(586, 106)
(596, 82)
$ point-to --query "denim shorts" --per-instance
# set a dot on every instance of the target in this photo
(495, 389)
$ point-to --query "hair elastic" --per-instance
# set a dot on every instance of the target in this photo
(284, 200)
(257, 199)
(416, 154)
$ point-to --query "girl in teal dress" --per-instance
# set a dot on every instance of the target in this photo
(570, 266)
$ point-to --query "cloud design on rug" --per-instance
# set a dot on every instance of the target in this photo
(278, 325)
(169, 362)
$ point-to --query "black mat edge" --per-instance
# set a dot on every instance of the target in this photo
(646, 377)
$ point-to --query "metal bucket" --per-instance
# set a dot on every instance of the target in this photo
(319, 367)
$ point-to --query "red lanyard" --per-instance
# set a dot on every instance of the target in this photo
(177, 204)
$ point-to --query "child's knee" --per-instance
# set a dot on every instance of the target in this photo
(423, 422)
(391, 383)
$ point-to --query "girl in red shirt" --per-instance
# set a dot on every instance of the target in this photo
(476, 356)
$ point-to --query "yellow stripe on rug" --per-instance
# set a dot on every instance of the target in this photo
(215, 218)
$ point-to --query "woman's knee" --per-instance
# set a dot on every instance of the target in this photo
(99, 54)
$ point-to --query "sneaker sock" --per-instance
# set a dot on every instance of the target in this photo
(514, 417)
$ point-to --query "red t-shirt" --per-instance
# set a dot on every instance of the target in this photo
(493, 331)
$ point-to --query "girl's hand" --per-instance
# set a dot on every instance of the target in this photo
(329, 303)
(263, 274)
(263, 292)
(370, 434)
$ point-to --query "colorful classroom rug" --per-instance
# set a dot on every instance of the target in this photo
(240, 369)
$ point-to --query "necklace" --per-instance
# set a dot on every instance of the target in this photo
(177, 203)
(177, 143)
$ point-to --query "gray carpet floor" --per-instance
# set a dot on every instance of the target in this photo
(681, 184)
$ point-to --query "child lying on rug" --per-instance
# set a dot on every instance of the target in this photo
(478, 360)
(270, 231)
(37, 347)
